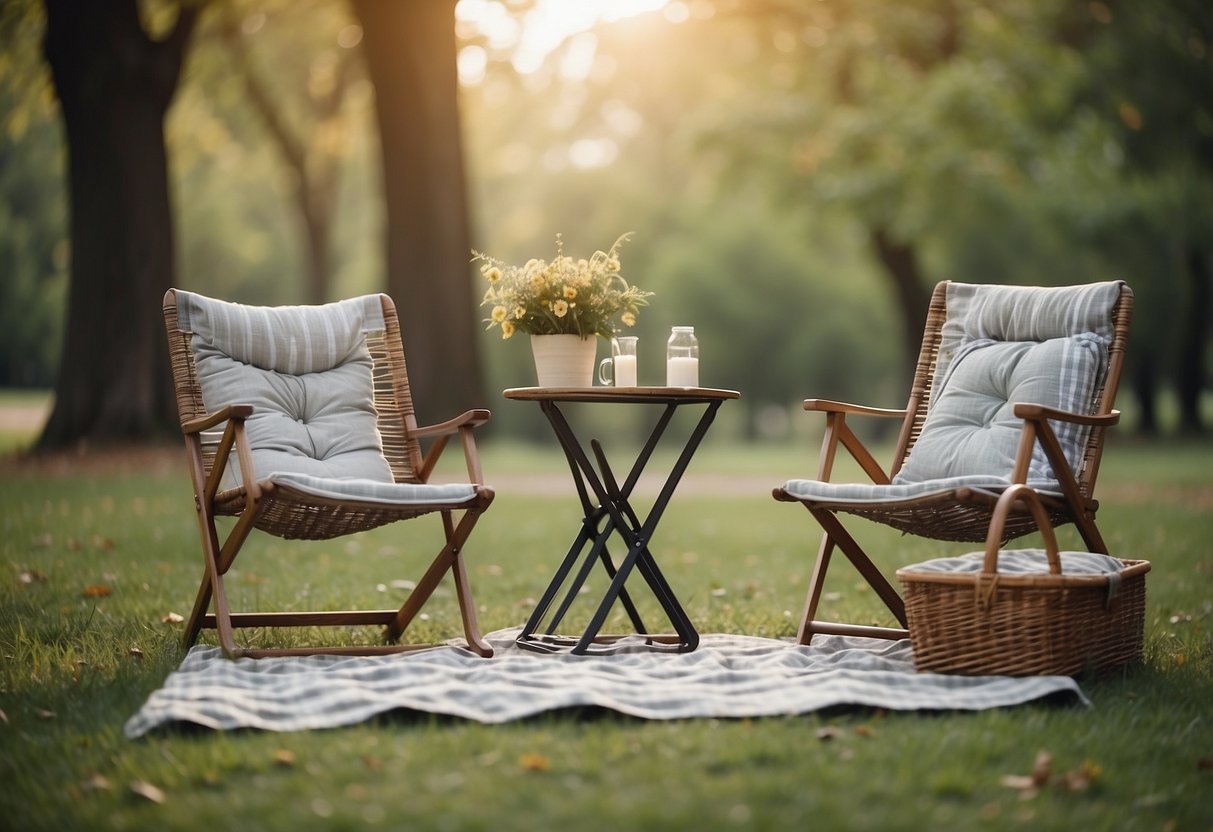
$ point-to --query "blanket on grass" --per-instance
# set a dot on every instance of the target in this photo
(728, 676)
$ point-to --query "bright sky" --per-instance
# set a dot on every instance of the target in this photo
(543, 28)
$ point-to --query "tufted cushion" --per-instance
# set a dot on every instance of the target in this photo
(306, 371)
(971, 429)
(1000, 346)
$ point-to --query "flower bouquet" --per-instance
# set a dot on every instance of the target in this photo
(563, 296)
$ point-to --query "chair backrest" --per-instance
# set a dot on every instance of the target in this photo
(1074, 335)
(328, 383)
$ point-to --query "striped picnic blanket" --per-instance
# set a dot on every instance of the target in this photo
(729, 676)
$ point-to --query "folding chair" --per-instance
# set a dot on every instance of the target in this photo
(315, 403)
(1013, 385)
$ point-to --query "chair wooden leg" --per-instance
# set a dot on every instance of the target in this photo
(859, 558)
(1090, 533)
(467, 609)
(805, 633)
(837, 535)
(450, 558)
(202, 603)
(211, 593)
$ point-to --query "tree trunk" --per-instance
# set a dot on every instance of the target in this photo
(1195, 339)
(114, 86)
(410, 50)
(1145, 389)
(913, 298)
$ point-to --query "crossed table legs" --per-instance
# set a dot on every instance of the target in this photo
(614, 515)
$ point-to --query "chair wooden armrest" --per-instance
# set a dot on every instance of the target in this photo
(470, 418)
(1036, 428)
(837, 430)
(828, 406)
(223, 414)
(1039, 413)
(441, 432)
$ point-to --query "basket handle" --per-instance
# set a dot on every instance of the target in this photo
(1017, 493)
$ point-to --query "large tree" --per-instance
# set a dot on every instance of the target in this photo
(410, 50)
(114, 83)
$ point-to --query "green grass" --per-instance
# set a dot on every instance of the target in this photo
(74, 667)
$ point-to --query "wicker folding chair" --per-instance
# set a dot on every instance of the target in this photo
(315, 403)
(1013, 385)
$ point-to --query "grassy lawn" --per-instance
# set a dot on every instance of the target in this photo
(98, 552)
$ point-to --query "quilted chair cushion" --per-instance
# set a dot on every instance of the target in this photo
(306, 370)
(971, 428)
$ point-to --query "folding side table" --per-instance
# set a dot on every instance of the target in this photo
(607, 511)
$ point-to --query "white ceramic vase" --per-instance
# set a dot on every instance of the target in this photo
(564, 360)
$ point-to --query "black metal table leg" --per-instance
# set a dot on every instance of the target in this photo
(614, 515)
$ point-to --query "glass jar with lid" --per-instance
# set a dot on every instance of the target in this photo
(682, 358)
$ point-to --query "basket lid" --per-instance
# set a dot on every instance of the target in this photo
(1020, 562)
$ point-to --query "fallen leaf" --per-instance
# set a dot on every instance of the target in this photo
(97, 591)
(97, 783)
(828, 733)
(42, 713)
(284, 757)
(864, 730)
(1203, 764)
(3, 718)
(1042, 769)
(534, 762)
(372, 762)
(1076, 781)
(1022, 782)
(100, 542)
(136, 653)
(172, 618)
(147, 791)
(31, 576)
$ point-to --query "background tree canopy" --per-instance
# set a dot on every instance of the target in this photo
(797, 175)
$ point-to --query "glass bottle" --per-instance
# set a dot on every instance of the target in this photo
(682, 358)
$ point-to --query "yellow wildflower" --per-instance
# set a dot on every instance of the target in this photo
(498, 314)
(507, 329)
(560, 308)
(628, 318)
(569, 293)
(519, 313)
(493, 274)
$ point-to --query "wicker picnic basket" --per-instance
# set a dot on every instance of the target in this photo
(1036, 623)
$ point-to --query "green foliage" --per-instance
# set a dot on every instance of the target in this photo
(75, 666)
(753, 148)
(239, 193)
(34, 250)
